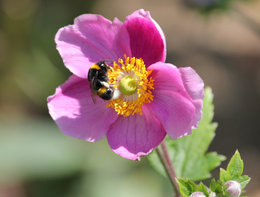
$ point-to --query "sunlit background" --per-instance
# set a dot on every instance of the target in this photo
(37, 160)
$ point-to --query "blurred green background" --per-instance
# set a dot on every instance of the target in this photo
(220, 39)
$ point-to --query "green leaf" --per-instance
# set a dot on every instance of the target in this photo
(202, 188)
(236, 166)
(224, 176)
(187, 187)
(243, 180)
(214, 160)
(213, 185)
(216, 186)
(234, 171)
(188, 153)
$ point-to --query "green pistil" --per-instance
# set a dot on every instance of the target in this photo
(127, 85)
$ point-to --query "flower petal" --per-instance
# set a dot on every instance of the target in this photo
(75, 113)
(195, 88)
(146, 37)
(92, 38)
(178, 98)
(135, 136)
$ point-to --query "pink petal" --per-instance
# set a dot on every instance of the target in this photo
(178, 97)
(146, 37)
(195, 88)
(136, 135)
(75, 113)
(92, 38)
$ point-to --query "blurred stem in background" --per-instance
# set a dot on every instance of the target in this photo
(207, 7)
(249, 22)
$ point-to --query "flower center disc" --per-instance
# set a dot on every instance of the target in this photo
(128, 85)
(132, 79)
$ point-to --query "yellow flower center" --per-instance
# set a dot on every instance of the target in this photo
(132, 79)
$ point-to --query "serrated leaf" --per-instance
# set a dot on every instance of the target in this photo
(243, 180)
(202, 188)
(214, 160)
(187, 187)
(216, 186)
(234, 171)
(188, 154)
(235, 166)
(213, 185)
(224, 176)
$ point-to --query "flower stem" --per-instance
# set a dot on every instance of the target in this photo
(168, 167)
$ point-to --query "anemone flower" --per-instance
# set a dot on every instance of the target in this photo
(156, 98)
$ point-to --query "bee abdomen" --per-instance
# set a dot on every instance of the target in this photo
(105, 93)
(93, 71)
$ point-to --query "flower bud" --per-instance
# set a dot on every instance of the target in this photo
(233, 188)
(197, 194)
(212, 194)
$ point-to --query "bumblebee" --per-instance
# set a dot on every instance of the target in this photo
(97, 75)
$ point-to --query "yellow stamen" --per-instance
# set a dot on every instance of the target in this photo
(129, 104)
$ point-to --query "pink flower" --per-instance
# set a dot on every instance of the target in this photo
(166, 99)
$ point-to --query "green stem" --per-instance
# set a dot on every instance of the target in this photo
(168, 167)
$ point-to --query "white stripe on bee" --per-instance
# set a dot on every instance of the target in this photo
(107, 85)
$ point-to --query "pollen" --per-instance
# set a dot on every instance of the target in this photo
(134, 83)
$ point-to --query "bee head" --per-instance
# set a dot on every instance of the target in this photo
(103, 65)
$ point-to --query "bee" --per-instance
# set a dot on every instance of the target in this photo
(97, 75)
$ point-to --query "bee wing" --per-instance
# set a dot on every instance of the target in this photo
(93, 96)
(93, 92)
